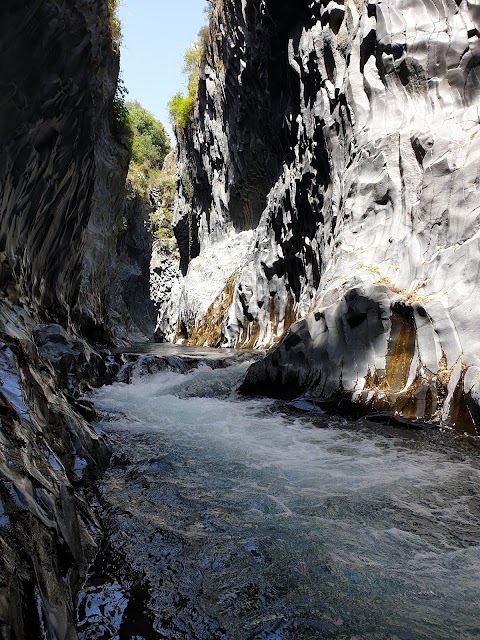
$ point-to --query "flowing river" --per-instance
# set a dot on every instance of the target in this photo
(238, 518)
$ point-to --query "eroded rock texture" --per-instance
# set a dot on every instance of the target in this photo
(343, 137)
(165, 278)
(62, 174)
(48, 455)
(134, 311)
(62, 171)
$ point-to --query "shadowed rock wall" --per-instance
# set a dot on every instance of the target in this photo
(62, 176)
(134, 310)
(228, 162)
(369, 117)
(62, 171)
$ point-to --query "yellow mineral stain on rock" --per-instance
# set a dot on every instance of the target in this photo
(250, 335)
(444, 374)
(290, 313)
(289, 317)
(425, 397)
(372, 268)
(210, 330)
(273, 315)
(401, 349)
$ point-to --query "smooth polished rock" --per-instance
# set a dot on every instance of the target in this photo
(346, 137)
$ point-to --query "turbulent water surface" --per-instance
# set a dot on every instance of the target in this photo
(237, 518)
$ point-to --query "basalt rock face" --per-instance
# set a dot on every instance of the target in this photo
(165, 289)
(61, 191)
(165, 277)
(48, 455)
(134, 309)
(368, 236)
(228, 163)
(62, 171)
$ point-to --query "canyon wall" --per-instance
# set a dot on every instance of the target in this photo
(329, 183)
(63, 249)
(62, 171)
(132, 311)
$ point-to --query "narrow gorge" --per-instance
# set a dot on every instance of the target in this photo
(329, 187)
(260, 422)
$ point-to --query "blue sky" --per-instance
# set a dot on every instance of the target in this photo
(155, 35)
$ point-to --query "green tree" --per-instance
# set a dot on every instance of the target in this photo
(150, 141)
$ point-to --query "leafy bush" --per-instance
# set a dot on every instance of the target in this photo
(149, 145)
(150, 142)
(122, 121)
(139, 177)
(160, 225)
(166, 188)
(115, 27)
(192, 58)
(160, 221)
(181, 106)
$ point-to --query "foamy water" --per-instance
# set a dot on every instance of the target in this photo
(248, 522)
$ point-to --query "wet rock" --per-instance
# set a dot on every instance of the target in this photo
(62, 179)
(48, 452)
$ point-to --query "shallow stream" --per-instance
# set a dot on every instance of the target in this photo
(240, 518)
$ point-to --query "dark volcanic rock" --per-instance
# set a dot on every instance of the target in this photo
(132, 283)
(62, 171)
(48, 454)
(62, 174)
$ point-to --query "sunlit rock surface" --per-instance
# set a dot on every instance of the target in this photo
(165, 289)
(346, 137)
(164, 276)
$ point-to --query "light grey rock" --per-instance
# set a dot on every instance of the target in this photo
(345, 136)
(169, 166)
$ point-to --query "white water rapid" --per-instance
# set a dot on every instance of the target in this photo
(243, 520)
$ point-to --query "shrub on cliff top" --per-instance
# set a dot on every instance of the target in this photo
(181, 106)
(115, 27)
